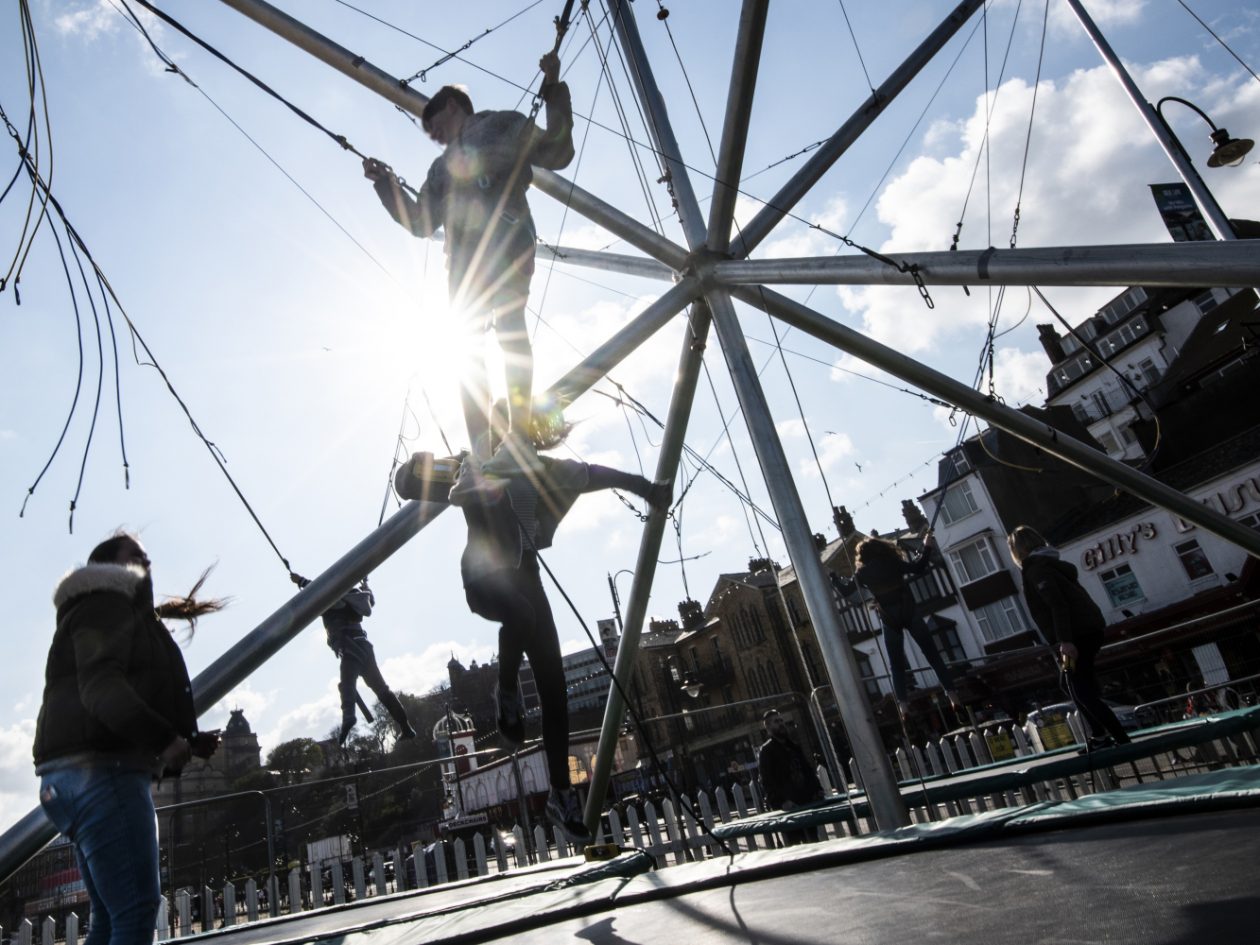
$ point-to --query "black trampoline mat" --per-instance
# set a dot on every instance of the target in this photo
(1185, 880)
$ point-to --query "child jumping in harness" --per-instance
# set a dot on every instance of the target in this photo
(343, 625)
(509, 520)
(475, 191)
(883, 571)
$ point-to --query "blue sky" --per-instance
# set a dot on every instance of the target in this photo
(295, 348)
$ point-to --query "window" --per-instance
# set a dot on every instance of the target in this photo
(958, 503)
(1107, 442)
(1127, 434)
(1193, 559)
(947, 643)
(1251, 521)
(1121, 585)
(1205, 302)
(1003, 618)
(974, 560)
(811, 668)
(1149, 372)
(867, 674)
(956, 464)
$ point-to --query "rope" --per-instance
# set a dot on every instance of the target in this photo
(423, 74)
(1032, 111)
(1237, 58)
(857, 48)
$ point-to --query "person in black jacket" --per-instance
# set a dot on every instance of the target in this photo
(787, 776)
(117, 711)
(883, 571)
(1072, 622)
(343, 629)
(509, 520)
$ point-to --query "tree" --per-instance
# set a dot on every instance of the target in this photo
(294, 758)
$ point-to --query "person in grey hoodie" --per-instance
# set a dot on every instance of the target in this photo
(1072, 622)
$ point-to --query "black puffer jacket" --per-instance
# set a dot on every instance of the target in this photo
(1061, 607)
(885, 577)
(115, 682)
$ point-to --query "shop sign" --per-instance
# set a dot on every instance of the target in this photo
(1231, 500)
(1118, 545)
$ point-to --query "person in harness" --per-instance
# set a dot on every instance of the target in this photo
(883, 571)
(343, 626)
(509, 520)
(475, 192)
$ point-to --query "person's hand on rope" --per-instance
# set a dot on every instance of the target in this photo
(298, 579)
(377, 171)
(550, 66)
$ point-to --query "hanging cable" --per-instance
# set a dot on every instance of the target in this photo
(1032, 111)
(423, 74)
(1224, 44)
(857, 48)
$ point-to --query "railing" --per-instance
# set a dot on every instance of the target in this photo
(673, 832)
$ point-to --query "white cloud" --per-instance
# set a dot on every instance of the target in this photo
(18, 784)
(1020, 376)
(832, 448)
(90, 22)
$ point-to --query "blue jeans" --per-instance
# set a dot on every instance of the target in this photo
(106, 811)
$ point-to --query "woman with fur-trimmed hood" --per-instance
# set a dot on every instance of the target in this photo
(117, 712)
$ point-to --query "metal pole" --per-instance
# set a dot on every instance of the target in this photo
(868, 750)
(609, 262)
(1216, 218)
(778, 206)
(1012, 421)
(659, 126)
(672, 438)
(611, 353)
(408, 99)
(1206, 263)
(752, 28)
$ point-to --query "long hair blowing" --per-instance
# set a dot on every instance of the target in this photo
(188, 607)
(873, 549)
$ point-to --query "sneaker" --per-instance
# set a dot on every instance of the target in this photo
(510, 714)
(564, 810)
(515, 455)
(405, 730)
(347, 726)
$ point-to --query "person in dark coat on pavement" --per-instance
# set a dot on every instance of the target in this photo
(883, 571)
(343, 626)
(1072, 623)
(787, 775)
(117, 712)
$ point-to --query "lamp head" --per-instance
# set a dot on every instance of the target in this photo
(1228, 151)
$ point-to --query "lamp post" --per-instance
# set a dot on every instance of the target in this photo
(1228, 151)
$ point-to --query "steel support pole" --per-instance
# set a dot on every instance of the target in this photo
(1212, 211)
(640, 266)
(868, 749)
(778, 206)
(672, 441)
(613, 351)
(1012, 421)
(739, 97)
(25, 838)
(659, 125)
(393, 90)
(1206, 263)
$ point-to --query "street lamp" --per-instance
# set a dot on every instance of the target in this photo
(1228, 152)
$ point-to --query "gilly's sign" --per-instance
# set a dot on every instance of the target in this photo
(1118, 545)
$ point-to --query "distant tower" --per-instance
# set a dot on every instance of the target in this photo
(844, 521)
(239, 749)
(916, 521)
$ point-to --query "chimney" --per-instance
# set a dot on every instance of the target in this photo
(1051, 342)
(916, 521)
(844, 521)
(691, 612)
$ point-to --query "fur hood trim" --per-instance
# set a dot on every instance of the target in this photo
(122, 579)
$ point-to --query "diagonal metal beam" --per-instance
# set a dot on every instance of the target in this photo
(659, 126)
(613, 351)
(387, 86)
(739, 97)
(609, 262)
(790, 194)
(1202, 263)
(1012, 421)
(672, 443)
(859, 721)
